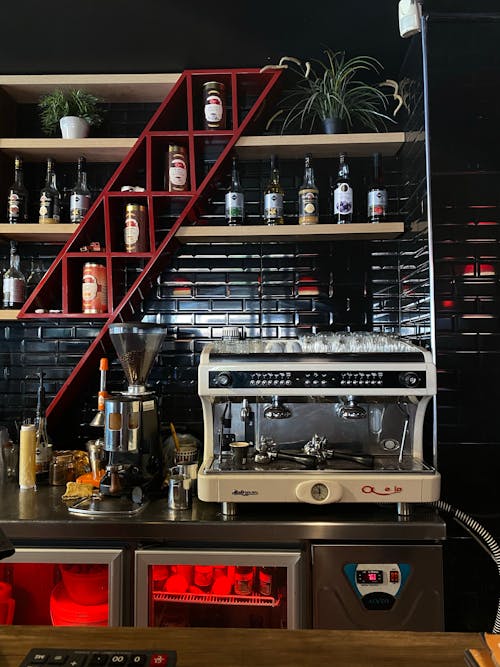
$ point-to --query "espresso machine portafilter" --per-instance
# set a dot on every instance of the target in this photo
(131, 423)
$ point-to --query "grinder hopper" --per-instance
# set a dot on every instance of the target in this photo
(136, 344)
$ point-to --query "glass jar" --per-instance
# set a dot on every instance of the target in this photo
(61, 469)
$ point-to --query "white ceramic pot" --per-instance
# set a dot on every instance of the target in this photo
(74, 127)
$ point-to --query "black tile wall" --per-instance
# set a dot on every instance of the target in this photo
(466, 247)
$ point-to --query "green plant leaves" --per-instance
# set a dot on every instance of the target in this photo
(76, 102)
(333, 88)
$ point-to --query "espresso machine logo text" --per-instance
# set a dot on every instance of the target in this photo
(386, 491)
(244, 492)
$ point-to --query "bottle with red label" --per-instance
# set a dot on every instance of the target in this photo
(14, 281)
(377, 193)
(176, 177)
(214, 105)
(135, 231)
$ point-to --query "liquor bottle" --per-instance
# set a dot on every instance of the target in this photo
(43, 444)
(17, 210)
(308, 196)
(377, 194)
(34, 277)
(273, 197)
(342, 194)
(14, 282)
(235, 199)
(79, 200)
(50, 199)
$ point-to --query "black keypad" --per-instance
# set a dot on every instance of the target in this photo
(99, 658)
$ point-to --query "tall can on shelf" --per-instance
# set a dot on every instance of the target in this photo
(176, 176)
(214, 105)
(135, 230)
(94, 289)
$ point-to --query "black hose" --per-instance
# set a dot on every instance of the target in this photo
(480, 534)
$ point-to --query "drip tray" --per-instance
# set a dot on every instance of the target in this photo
(381, 464)
(107, 506)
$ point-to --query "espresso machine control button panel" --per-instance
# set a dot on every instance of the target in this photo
(348, 379)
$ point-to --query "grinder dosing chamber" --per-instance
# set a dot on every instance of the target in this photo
(131, 429)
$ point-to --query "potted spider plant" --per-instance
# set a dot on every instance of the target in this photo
(74, 111)
(333, 92)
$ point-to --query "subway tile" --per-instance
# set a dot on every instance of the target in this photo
(243, 319)
(219, 319)
(278, 318)
(176, 319)
(193, 305)
(227, 305)
(244, 291)
(72, 346)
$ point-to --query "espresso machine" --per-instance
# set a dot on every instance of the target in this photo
(131, 425)
(333, 418)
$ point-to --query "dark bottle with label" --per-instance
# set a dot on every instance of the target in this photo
(34, 277)
(79, 200)
(377, 194)
(234, 203)
(14, 282)
(50, 199)
(308, 196)
(342, 194)
(17, 209)
(273, 197)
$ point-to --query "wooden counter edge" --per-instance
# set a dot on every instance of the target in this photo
(197, 647)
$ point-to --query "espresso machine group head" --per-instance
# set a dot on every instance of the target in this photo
(131, 428)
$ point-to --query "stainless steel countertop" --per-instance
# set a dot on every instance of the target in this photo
(42, 515)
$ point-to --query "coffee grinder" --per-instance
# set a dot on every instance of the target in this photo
(131, 424)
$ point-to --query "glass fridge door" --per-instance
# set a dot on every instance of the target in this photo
(61, 587)
(206, 588)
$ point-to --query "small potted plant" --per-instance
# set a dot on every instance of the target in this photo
(74, 111)
(333, 92)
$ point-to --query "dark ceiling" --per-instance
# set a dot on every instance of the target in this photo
(160, 35)
(163, 36)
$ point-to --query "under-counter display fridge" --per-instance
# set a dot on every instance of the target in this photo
(62, 587)
(218, 588)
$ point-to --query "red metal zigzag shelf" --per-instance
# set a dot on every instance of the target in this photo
(175, 121)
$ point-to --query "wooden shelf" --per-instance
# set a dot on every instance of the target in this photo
(8, 314)
(258, 147)
(110, 87)
(263, 233)
(320, 145)
(35, 232)
(68, 150)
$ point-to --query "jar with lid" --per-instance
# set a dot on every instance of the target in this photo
(61, 469)
(214, 105)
